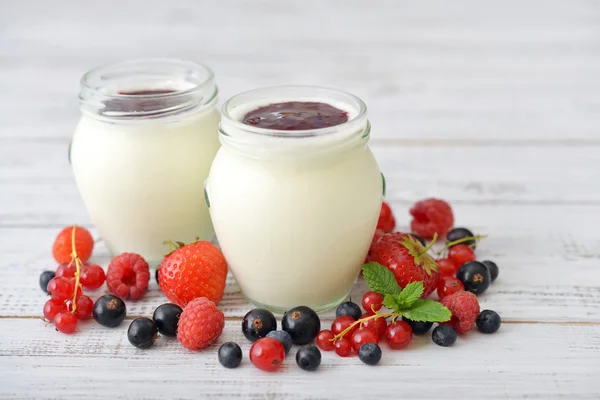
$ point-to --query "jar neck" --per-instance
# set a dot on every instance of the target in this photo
(260, 143)
(141, 90)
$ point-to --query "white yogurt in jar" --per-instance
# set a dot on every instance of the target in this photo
(142, 151)
(294, 211)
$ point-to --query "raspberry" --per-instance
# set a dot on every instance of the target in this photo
(62, 249)
(431, 216)
(195, 270)
(200, 324)
(127, 276)
(386, 221)
(464, 308)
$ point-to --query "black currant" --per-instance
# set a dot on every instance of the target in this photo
(230, 355)
(302, 323)
(109, 310)
(488, 321)
(349, 308)
(45, 277)
(142, 333)
(460, 233)
(419, 238)
(308, 357)
(475, 276)
(257, 323)
(444, 335)
(493, 269)
(166, 318)
(418, 328)
(370, 353)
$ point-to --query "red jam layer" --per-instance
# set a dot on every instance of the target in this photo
(138, 103)
(149, 92)
(296, 116)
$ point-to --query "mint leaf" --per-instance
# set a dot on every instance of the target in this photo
(389, 301)
(411, 293)
(380, 279)
(427, 310)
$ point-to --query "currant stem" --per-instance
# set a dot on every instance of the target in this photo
(75, 257)
(361, 321)
(430, 245)
(476, 238)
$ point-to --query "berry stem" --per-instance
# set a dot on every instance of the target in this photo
(430, 245)
(476, 238)
(75, 257)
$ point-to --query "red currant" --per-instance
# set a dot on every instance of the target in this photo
(61, 288)
(398, 335)
(447, 267)
(341, 323)
(267, 354)
(364, 336)
(84, 307)
(65, 322)
(66, 270)
(372, 301)
(92, 276)
(449, 285)
(377, 324)
(325, 340)
(53, 307)
(460, 254)
(343, 347)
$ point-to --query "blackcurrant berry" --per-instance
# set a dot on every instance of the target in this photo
(109, 310)
(475, 277)
(418, 328)
(166, 318)
(230, 355)
(308, 357)
(156, 277)
(444, 335)
(488, 321)
(370, 353)
(349, 308)
(302, 323)
(419, 238)
(283, 337)
(45, 277)
(493, 269)
(142, 333)
(257, 323)
(460, 233)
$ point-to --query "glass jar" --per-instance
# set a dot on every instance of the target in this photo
(294, 211)
(142, 151)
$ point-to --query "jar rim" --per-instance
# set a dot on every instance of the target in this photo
(320, 92)
(196, 86)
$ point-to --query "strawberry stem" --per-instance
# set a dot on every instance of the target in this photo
(75, 257)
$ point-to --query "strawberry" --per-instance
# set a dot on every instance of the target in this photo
(407, 259)
(191, 271)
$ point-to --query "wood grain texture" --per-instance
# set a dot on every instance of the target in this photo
(493, 106)
(532, 361)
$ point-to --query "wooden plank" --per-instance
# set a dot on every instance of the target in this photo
(521, 360)
(430, 71)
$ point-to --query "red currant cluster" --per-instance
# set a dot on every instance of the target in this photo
(348, 333)
(68, 304)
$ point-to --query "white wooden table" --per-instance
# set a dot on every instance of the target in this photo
(494, 107)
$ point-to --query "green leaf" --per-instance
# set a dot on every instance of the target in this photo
(389, 301)
(427, 310)
(380, 279)
(411, 293)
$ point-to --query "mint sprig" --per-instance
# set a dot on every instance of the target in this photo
(405, 302)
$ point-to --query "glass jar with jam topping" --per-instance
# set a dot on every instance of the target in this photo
(294, 194)
(142, 151)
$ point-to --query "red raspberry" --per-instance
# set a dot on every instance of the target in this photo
(449, 285)
(127, 276)
(200, 324)
(431, 216)
(386, 221)
(194, 270)
(62, 249)
(464, 307)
